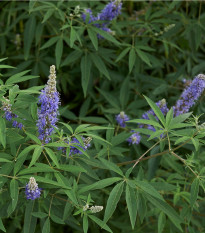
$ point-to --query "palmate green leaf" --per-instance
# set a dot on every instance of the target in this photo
(167, 209)
(17, 79)
(93, 37)
(110, 98)
(146, 122)
(72, 168)
(52, 156)
(131, 204)
(96, 120)
(156, 134)
(2, 226)
(36, 154)
(156, 110)
(6, 67)
(106, 35)
(2, 132)
(29, 33)
(5, 169)
(96, 137)
(14, 192)
(85, 223)
(67, 126)
(2, 160)
(148, 188)
(46, 181)
(180, 118)
(72, 196)
(2, 59)
(141, 206)
(46, 226)
(92, 128)
(143, 56)
(59, 52)
(121, 137)
(72, 57)
(26, 151)
(56, 144)
(112, 201)
(39, 214)
(56, 219)
(122, 54)
(89, 171)
(34, 138)
(144, 131)
(100, 184)
(29, 220)
(132, 59)
(100, 223)
(85, 66)
(40, 167)
(100, 65)
(111, 166)
(180, 125)
(161, 222)
(81, 128)
(50, 42)
(194, 191)
(169, 118)
(195, 142)
(73, 36)
(124, 93)
(48, 15)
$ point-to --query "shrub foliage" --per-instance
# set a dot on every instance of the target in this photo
(101, 119)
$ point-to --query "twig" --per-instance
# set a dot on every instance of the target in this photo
(145, 153)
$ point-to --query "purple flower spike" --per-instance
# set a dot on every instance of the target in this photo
(134, 139)
(6, 107)
(32, 190)
(190, 95)
(121, 118)
(48, 112)
(111, 11)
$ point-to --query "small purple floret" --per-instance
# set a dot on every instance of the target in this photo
(121, 118)
(32, 190)
(134, 139)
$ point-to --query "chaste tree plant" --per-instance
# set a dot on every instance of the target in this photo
(101, 117)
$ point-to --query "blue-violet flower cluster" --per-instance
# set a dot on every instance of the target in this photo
(134, 138)
(32, 190)
(190, 95)
(73, 143)
(48, 112)
(121, 118)
(6, 107)
(111, 11)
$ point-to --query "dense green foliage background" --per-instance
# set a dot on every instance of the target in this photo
(98, 78)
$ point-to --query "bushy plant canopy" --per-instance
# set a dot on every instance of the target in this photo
(101, 116)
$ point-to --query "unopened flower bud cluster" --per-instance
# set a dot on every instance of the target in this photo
(76, 12)
(93, 209)
(166, 29)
